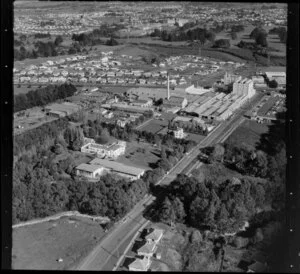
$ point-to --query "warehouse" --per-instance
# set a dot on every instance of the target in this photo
(123, 170)
(61, 110)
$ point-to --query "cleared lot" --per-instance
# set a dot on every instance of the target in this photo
(39, 246)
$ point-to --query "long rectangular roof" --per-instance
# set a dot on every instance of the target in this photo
(118, 167)
(88, 168)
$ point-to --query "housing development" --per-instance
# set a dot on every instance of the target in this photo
(149, 136)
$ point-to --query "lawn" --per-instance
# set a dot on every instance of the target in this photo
(39, 246)
(249, 133)
(140, 155)
(23, 89)
(154, 127)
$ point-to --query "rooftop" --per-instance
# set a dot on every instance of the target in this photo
(118, 167)
(88, 168)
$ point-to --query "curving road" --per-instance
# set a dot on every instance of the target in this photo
(108, 247)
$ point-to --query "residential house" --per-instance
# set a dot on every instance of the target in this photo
(154, 236)
(113, 150)
(140, 264)
(147, 249)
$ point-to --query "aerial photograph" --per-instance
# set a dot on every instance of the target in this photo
(149, 136)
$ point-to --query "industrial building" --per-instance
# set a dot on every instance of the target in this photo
(244, 87)
(62, 110)
(278, 76)
(121, 169)
(231, 78)
(215, 106)
(175, 101)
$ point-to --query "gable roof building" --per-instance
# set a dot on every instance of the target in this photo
(140, 264)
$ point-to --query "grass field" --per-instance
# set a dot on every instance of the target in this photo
(249, 133)
(23, 89)
(154, 126)
(39, 246)
(140, 155)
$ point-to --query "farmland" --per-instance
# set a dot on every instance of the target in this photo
(39, 246)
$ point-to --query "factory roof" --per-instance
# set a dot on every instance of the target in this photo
(118, 167)
(88, 168)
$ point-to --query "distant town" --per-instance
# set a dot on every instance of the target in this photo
(149, 136)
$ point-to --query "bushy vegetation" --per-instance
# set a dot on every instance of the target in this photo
(223, 204)
(222, 43)
(42, 96)
(44, 184)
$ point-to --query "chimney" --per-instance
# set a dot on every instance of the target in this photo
(168, 92)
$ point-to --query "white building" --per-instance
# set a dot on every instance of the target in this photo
(140, 264)
(178, 133)
(112, 151)
(130, 172)
(279, 77)
(244, 87)
(89, 171)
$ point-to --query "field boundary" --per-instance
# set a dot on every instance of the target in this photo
(60, 215)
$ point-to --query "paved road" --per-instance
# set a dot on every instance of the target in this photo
(97, 259)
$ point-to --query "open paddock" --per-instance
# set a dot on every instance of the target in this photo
(39, 246)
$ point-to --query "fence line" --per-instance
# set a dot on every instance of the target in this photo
(63, 214)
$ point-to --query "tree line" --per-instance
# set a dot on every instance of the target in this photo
(43, 96)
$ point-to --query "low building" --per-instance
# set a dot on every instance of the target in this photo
(178, 133)
(278, 76)
(175, 101)
(142, 103)
(147, 249)
(123, 170)
(140, 264)
(154, 236)
(112, 150)
(89, 171)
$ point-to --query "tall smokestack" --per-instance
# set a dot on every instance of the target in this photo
(168, 92)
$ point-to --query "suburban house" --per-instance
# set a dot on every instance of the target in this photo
(154, 236)
(257, 267)
(120, 169)
(89, 171)
(147, 249)
(140, 264)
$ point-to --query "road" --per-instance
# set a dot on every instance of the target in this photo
(98, 258)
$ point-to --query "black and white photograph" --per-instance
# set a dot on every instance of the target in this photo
(150, 136)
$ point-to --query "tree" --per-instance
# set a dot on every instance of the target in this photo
(179, 210)
(112, 42)
(217, 154)
(222, 43)
(257, 31)
(273, 84)
(58, 40)
(233, 35)
(167, 213)
(261, 39)
(103, 138)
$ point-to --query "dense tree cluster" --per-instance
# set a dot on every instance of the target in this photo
(43, 96)
(222, 43)
(222, 207)
(237, 28)
(112, 42)
(200, 34)
(260, 36)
